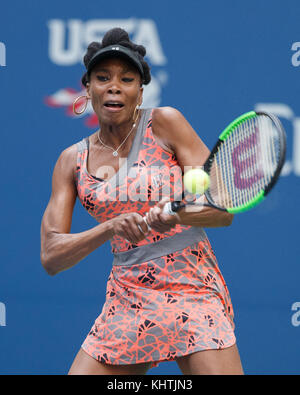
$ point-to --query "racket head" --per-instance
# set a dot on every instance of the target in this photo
(246, 162)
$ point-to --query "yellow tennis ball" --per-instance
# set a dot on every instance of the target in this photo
(196, 181)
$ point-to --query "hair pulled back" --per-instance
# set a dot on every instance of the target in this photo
(120, 37)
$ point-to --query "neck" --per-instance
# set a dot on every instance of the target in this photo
(114, 135)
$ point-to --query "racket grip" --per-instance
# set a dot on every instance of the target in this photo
(171, 208)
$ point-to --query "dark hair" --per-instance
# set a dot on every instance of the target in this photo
(121, 37)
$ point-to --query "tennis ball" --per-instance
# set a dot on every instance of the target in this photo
(196, 181)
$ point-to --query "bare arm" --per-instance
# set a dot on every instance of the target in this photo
(176, 133)
(61, 250)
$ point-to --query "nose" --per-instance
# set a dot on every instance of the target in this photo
(114, 88)
(114, 91)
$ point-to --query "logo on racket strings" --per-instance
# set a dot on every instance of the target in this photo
(245, 175)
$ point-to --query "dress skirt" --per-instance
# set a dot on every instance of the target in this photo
(163, 308)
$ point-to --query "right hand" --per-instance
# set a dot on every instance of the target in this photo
(160, 221)
(130, 226)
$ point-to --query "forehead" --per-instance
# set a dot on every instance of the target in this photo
(115, 63)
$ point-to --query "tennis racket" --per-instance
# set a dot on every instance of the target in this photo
(243, 166)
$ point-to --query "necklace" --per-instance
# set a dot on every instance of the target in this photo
(115, 151)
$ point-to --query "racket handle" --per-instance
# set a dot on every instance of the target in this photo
(171, 208)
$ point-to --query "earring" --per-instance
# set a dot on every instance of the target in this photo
(84, 108)
(136, 114)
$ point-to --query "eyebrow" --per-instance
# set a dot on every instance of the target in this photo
(124, 71)
(101, 69)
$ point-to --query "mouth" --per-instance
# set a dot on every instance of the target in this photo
(113, 105)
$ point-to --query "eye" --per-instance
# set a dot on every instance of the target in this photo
(127, 79)
(102, 78)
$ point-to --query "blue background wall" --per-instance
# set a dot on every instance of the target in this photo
(211, 60)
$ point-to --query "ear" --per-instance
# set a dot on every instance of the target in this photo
(140, 99)
(88, 88)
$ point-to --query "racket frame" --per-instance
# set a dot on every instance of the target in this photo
(223, 136)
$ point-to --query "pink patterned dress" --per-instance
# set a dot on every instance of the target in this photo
(165, 296)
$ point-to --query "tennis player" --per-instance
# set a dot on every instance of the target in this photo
(166, 298)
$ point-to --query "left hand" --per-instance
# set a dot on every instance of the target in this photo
(161, 222)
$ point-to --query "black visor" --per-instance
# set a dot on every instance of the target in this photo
(116, 51)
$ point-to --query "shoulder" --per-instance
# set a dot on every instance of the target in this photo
(66, 162)
(68, 154)
(163, 116)
(167, 122)
(171, 127)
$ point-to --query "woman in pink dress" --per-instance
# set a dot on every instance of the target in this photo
(166, 298)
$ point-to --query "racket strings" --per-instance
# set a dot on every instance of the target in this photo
(245, 162)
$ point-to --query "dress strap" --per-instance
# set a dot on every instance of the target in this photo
(83, 145)
(139, 137)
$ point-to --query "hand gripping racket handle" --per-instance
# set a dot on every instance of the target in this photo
(170, 208)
